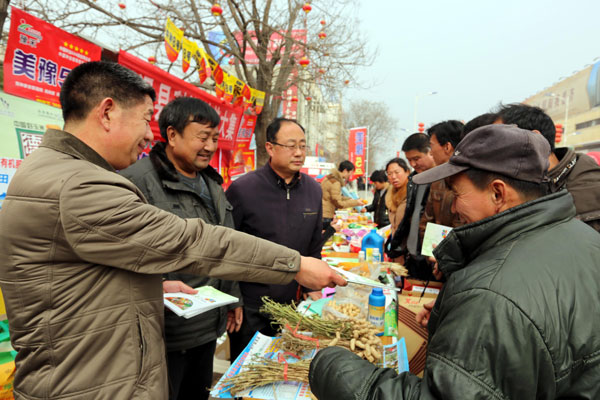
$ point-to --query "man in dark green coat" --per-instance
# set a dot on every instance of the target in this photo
(518, 317)
(177, 177)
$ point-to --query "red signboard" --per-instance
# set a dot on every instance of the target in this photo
(168, 87)
(276, 44)
(357, 145)
(39, 56)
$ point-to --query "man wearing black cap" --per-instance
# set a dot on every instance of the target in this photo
(518, 316)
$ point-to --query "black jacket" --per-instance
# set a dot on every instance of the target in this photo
(157, 178)
(395, 246)
(290, 215)
(378, 208)
(517, 319)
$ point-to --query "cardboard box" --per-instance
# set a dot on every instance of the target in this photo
(410, 302)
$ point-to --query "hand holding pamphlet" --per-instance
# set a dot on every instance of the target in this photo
(434, 234)
(189, 305)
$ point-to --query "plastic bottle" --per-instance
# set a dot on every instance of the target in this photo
(377, 308)
(372, 240)
(361, 256)
(376, 256)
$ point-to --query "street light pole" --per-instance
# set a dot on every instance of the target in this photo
(566, 113)
(416, 104)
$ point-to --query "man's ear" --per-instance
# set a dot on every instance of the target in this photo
(171, 132)
(105, 112)
(269, 148)
(536, 131)
(498, 191)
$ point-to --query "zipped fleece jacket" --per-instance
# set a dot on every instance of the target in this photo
(82, 258)
(158, 180)
(288, 214)
(518, 317)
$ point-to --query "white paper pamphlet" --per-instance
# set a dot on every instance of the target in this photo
(434, 234)
(189, 305)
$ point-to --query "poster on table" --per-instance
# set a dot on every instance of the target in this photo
(357, 149)
(39, 56)
(168, 87)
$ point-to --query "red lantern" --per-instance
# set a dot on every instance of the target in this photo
(322, 35)
(304, 62)
(306, 7)
(231, 61)
(308, 98)
(122, 6)
(559, 133)
(321, 71)
(216, 10)
(152, 60)
(323, 22)
(294, 99)
(421, 127)
(346, 82)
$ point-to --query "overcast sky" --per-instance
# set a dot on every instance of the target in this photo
(475, 54)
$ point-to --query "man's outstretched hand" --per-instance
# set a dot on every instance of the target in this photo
(316, 274)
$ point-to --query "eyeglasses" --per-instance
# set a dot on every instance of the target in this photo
(291, 147)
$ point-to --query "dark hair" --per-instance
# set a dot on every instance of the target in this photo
(398, 161)
(378, 176)
(89, 83)
(478, 122)
(530, 118)
(346, 166)
(275, 126)
(527, 190)
(181, 111)
(447, 131)
(417, 141)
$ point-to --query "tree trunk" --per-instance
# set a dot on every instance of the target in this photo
(260, 132)
(3, 14)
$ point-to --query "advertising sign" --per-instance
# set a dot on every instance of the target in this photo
(39, 56)
(168, 87)
(357, 147)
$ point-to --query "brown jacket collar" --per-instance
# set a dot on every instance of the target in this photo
(69, 144)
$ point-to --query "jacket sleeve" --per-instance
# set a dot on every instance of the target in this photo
(372, 207)
(339, 201)
(107, 222)
(484, 347)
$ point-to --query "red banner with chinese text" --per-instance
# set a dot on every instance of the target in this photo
(357, 144)
(39, 56)
(169, 87)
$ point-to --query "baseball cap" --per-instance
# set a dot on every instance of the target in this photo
(503, 149)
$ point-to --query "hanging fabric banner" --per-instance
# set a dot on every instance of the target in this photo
(357, 142)
(188, 48)
(202, 65)
(39, 56)
(173, 40)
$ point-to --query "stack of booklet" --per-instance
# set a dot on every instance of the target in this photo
(189, 305)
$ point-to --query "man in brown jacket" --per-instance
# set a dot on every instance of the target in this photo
(83, 251)
(443, 138)
(332, 195)
(578, 173)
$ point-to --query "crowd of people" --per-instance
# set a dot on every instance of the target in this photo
(96, 238)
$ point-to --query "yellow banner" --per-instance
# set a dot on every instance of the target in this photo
(202, 65)
(260, 100)
(188, 48)
(229, 86)
(173, 40)
(217, 72)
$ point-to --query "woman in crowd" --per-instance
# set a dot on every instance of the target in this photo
(397, 171)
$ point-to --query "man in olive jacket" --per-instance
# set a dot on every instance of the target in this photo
(518, 317)
(83, 251)
(177, 177)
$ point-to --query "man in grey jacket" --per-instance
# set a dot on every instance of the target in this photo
(518, 316)
(177, 177)
(83, 251)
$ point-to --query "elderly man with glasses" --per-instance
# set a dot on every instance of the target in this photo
(278, 203)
